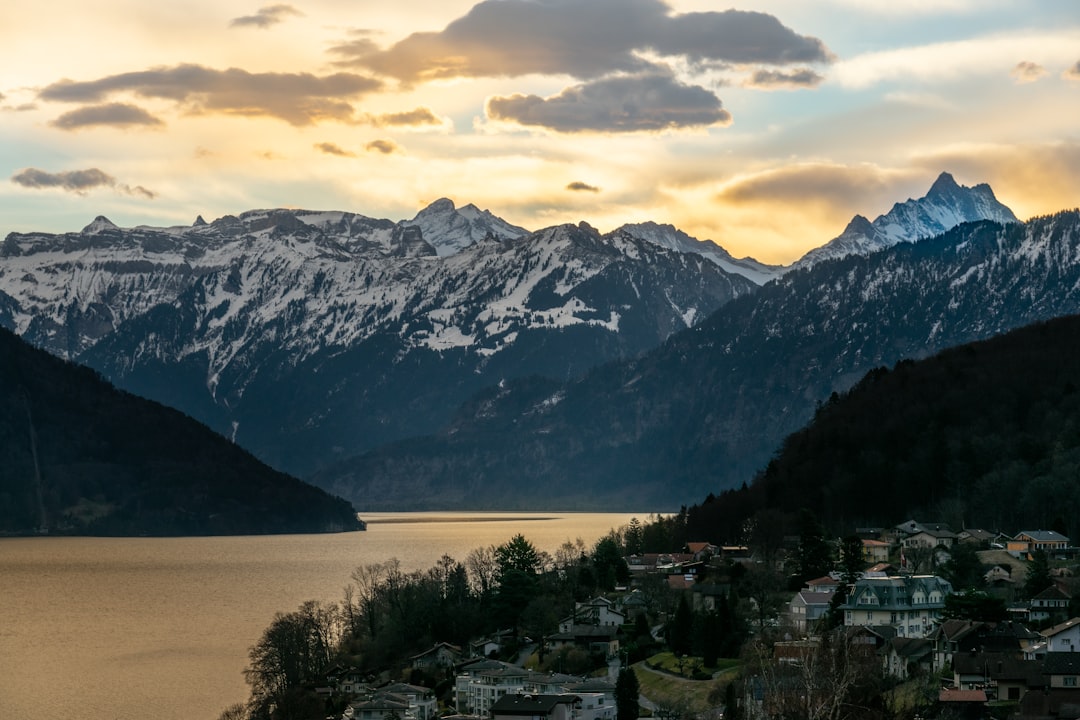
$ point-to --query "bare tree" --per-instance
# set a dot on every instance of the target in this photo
(483, 567)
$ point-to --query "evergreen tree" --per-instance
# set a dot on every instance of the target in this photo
(680, 628)
(626, 694)
(634, 537)
(1038, 574)
(815, 555)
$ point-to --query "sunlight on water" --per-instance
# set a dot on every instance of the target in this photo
(124, 629)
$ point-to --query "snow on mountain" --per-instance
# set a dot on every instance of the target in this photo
(671, 237)
(451, 229)
(944, 206)
(374, 334)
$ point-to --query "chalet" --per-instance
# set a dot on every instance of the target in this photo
(976, 536)
(826, 583)
(910, 604)
(535, 707)
(1009, 678)
(702, 550)
(1029, 541)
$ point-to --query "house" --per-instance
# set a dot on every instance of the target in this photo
(1052, 603)
(825, 583)
(1064, 637)
(905, 657)
(1062, 670)
(875, 551)
(702, 550)
(910, 604)
(381, 706)
(975, 536)
(597, 699)
(634, 604)
(807, 608)
(441, 655)
(589, 637)
(535, 707)
(480, 683)
(421, 700)
(931, 537)
(598, 612)
(706, 596)
(1029, 541)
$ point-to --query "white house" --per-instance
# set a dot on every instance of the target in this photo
(807, 607)
(911, 605)
(1064, 637)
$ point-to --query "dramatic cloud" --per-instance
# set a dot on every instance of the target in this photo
(779, 80)
(111, 114)
(579, 186)
(332, 149)
(1072, 73)
(585, 40)
(1027, 72)
(296, 98)
(386, 147)
(77, 181)
(265, 17)
(640, 103)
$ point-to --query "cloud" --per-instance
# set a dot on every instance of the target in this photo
(386, 147)
(836, 188)
(297, 98)
(1027, 72)
(637, 103)
(77, 181)
(332, 149)
(410, 118)
(778, 79)
(1072, 73)
(585, 40)
(111, 114)
(266, 16)
(578, 186)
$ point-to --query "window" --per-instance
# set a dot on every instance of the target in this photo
(1069, 681)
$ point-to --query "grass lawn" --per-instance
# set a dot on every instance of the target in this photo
(665, 689)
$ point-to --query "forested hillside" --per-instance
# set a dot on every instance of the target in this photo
(982, 435)
(78, 456)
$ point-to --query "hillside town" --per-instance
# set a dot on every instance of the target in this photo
(919, 620)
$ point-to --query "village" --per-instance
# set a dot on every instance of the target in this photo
(913, 621)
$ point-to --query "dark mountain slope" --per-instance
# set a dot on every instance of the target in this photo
(982, 435)
(79, 457)
(707, 409)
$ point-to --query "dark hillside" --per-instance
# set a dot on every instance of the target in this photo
(982, 435)
(79, 457)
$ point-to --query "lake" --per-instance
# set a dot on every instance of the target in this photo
(130, 628)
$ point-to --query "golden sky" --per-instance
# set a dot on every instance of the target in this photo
(764, 127)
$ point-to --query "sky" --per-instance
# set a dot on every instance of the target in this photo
(763, 126)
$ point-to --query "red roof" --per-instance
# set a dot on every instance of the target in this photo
(953, 695)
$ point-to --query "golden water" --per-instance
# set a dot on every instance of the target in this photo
(132, 628)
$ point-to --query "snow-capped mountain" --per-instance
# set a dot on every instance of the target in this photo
(449, 229)
(944, 206)
(671, 237)
(708, 408)
(307, 335)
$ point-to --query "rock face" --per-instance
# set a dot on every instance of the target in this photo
(310, 336)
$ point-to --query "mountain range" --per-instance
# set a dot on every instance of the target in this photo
(457, 360)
